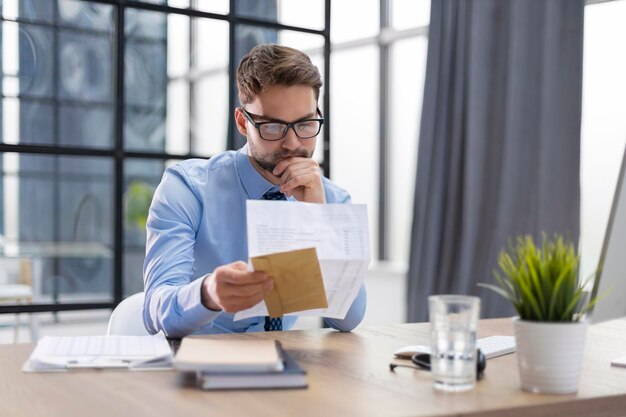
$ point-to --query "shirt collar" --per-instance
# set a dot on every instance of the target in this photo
(253, 182)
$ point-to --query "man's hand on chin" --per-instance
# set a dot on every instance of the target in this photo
(301, 178)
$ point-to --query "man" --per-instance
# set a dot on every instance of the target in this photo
(194, 273)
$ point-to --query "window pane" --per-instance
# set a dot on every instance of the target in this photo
(75, 108)
(34, 326)
(145, 85)
(603, 123)
(177, 90)
(208, 76)
(27, 60)
(210, 118)
(306, 42)
(85, 67)
(210, 6)
(406, 14)
(140, 180)
(173, 3)
(287, 12)
(91, 16)
(28, 121)
(88, 125)
(408, 65)
(292, 12)
(213, 6)
(84, 114)
(145, 24)
(346, 26)
(28, 10)
(247, 37)
(257, 9)
(354, 145)
(57, 219)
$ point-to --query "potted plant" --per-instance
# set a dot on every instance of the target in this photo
(543, 286)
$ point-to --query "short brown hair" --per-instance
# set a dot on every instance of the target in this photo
(266, 66)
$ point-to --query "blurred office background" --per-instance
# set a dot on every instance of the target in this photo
(99, 97)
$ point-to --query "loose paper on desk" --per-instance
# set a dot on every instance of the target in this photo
(100, 352)
(339, 234)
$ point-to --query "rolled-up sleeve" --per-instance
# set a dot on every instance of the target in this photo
(173, 299)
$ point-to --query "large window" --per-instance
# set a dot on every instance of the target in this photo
(603, 122)
(377, 79)
(98, 98)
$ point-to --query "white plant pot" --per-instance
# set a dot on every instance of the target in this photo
(550, 355)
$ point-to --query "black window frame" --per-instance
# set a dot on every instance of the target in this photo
(120, 155)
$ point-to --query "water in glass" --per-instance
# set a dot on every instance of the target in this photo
(453, 359)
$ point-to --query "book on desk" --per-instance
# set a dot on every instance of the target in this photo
(243, 364)
(292, 376)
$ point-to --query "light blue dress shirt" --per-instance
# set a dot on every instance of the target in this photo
(197, 222)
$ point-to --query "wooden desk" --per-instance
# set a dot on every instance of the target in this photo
(348, 376)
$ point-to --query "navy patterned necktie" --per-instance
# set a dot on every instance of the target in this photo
(274, 195)
(273, 323)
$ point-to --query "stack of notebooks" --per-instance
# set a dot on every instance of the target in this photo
(239, 364)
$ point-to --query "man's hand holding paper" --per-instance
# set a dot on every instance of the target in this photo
(339, 234)
(233, 288)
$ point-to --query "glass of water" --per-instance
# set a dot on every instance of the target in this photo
(453, 320)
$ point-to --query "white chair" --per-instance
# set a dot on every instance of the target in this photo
(127, 318)
(16, 287)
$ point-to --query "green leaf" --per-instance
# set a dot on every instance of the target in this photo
(530, 300)
(535, 284)
(555, 293)
(498, 290)
(570, 307)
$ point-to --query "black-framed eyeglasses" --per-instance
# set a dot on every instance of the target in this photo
(277, 129)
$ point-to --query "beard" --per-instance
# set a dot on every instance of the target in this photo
(268, 161)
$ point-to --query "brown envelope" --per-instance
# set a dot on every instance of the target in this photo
(298, 283)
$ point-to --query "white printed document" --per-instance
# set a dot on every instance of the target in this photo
(100, 352)
(339, 233)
